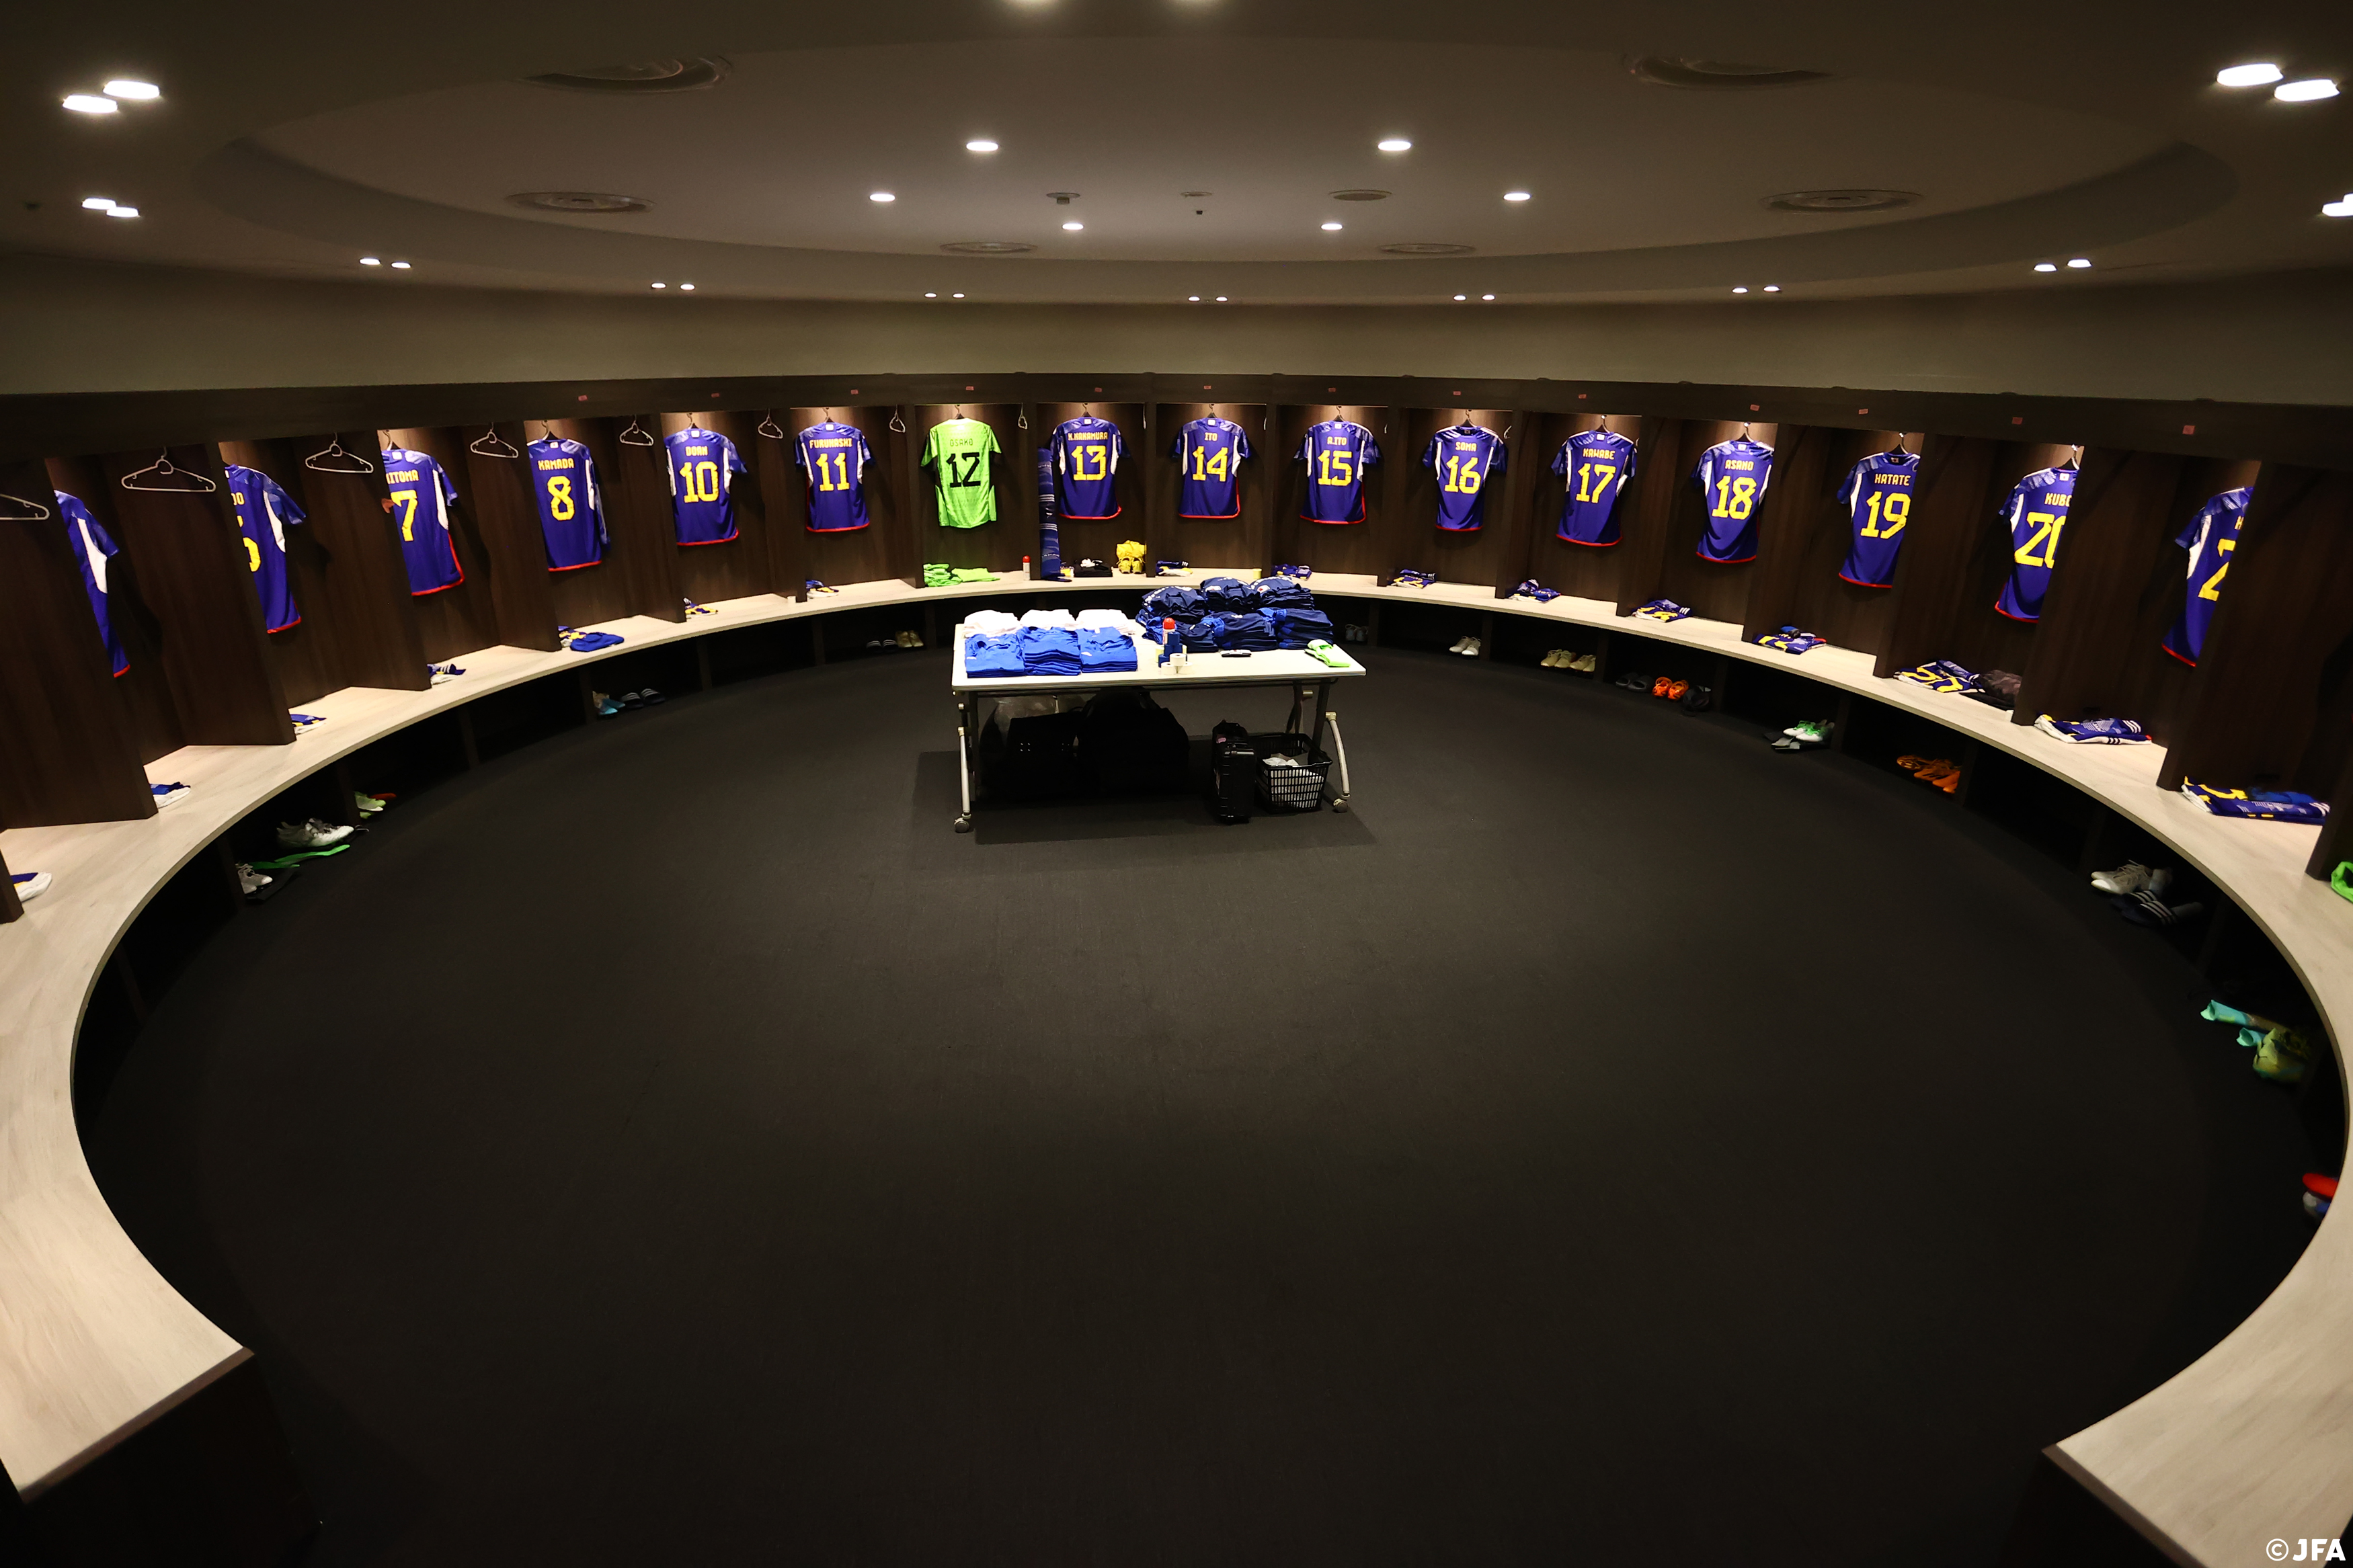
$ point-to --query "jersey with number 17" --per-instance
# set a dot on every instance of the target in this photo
(1594, 466)
(571, 517)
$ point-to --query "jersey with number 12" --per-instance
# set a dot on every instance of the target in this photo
(1731, 477)
(2211, 538)
(833, 458)
(1337, 452)
(571, 516)
(702, 469)
(958, 451)
(1209, 452)
(1594, 465)
(1877, 496)
(2035, 511)
(421, 493)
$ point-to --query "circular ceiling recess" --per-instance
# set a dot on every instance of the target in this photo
(580, 202)
(988, 248)
(641, 77)
(1667, 71)
(1360, 196)
(1841, 201)
(1425, 248)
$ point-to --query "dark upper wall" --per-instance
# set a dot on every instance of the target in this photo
(77, 326)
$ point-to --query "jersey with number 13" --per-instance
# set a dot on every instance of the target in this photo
(563, 482)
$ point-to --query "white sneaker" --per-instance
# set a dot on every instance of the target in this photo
(2129, 877)
(1470, 649)
(249, 880)
(1458, 644)
(30, 885)
(312, 835)
(367, 804)
(169, 794)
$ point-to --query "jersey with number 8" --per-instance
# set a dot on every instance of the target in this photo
(571, 516)
(2035, 511)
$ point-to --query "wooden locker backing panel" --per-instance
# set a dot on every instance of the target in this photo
(1512, 514)
(1353, 548)
(1715, 590)
(744, 565)
(1798, 581)
(67, 752)
(643, 535)
(505, 513)
(1245, 540)
(192, 575)
(1456, 556)
(1957, 556)
(1983, 638)
(362, 579)
(2275, 682)
(1080, 536)
(996, 546)
(142, 689)
(459, 620)
(585, 595)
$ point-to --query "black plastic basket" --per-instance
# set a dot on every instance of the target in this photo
(1296, 785)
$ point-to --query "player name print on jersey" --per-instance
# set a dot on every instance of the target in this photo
(702, 469)
(2212, 537)
(832, 458)
(1337, 453)
(1086, 452)
(421, 495)
(1210, 454)
(1877, 496)
(263, 513)
(1462, 458)
(571, 510)
(1731, 480)
(1593, 467)
(2035, 513)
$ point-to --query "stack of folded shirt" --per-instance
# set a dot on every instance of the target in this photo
(1227, 594)
(2094, 732)
(1663, 610)
(1279, 594)
(1048, 649)
(987, 654)
(1181, 603)
(1112, 618)
(2265, 805)
(1789, 639)
(937, 574)
(1407, 577)
(992, 622)
(1051, 618)
(1198, 637)
(1942, 675)
(1105, 648)
(1532, 589)
(1297, 628)
(1243, 633)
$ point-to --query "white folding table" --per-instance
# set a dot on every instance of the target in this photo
(1310, 679)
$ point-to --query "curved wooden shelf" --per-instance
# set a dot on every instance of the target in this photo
(2253, 1440)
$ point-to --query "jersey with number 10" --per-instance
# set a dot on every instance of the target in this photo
(1337, 452)
(421, 493)
(263, 510)
(702, 469)
(2211, 538)
(958, 451)
(1087, 451)
(1463, 457)
(571, 517)
(1731, 477)
(2035, 511)
(1877, 496)
(1595, 465)
(833, 458)
(1210, 453)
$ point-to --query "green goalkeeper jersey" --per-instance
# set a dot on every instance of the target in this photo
(957, 453)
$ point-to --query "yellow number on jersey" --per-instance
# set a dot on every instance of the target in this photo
(1736, 499)
(2047, 525)
(1893, 508)
(406, 501)
(2214, 588)
(252, 555)
(1334, 469)
(559, 498)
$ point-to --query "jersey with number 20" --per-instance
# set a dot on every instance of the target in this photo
(702, 469)
(563, 482)
(2035, 511)
(421, 493)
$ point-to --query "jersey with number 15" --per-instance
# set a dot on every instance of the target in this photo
(1877, 496)
(1594, 466)
(572, 521)
(702, 469)
(1337, 452)
(421, 493)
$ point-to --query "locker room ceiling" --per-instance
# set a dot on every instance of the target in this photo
(293, 142)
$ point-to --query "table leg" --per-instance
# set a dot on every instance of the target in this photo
(966, 741)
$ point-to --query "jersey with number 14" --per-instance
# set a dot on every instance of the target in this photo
(421, 493)
(958, 451)
(833, 457)
(1731, 477)
(702, 469)
(1337, 452)
(571, 517)
(1877, 496)
(1210, 453)
(1594, 465)
(1463, 457)
(2211, 538)
(2035, 511)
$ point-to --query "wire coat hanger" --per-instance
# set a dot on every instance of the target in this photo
(332, 459)
(162, 470)
(635, 435)
(898, 424)
(492, 445)
(35, 509)
(773, 431)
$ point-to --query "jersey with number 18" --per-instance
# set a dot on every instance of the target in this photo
(1731, 477)
(571, 514)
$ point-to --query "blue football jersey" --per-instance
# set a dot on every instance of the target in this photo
(1731, 477)
(833, 457)
(263, 512)
(2210, 536)
(1593, 467)
(92, 550)
(1086, 452)
(2035, 513)
(421, 494)
(571, 515)
(1337, 453)
(1877, 496)
(1210, 454)
(1462, 457)
(703, 469)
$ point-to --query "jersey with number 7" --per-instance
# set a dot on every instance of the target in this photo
(958, 452)
(2035, 511)
(563, 482)
(421, 493)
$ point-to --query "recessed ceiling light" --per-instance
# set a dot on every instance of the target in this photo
(1740, 289)
(137, 91)
(1461, 297)
(2080, 262)
(882, 196)
(980, 144)
(1192, 299)
(1074, 226)
(2248, 76)
(91, 103)
(400, 266)
(1517, 196)
(2046, 266)
(370, 261)
(1394, 144)
(1221, 299)
(2307, 91)
(956, 296)
(98, 203)
(1772, 288)
(932, 296)
(1486, 296)
(1331, 228)
(687, 286)
(123, 212)
(2338, 209)
(658, 285)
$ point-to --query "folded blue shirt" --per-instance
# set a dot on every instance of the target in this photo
(1049, 650)
(1245, 632)
(1227, 594)
(1297, 628)
(1280, 593)
(1104, 649)
(1162, 603)
(992, 656)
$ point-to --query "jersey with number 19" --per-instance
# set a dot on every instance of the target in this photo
(2035, 511)
(1210, 453)
(421, 493)
(1594, 466)
(1731, 477)
(702, 469)
(1337, 452)
(1877, 496)
(833, 458)
(571, 515)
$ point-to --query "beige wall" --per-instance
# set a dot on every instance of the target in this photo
(88, 326)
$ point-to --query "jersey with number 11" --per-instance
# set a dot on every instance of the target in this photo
(833, 457)
(563, 482)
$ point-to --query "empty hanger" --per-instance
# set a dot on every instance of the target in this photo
(333, 459)
(34, 511)
(773, 431)
(898, 424)
(492, 445)
(635, 435)
(1021, 418)
(162, 470)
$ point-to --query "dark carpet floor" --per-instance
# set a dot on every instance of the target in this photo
(1615, 1141)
